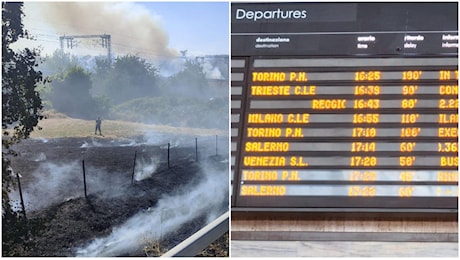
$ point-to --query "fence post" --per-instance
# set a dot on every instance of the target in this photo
(196, 148)
(22, 198)
(134, 166)
(84, 177)
(168, 155)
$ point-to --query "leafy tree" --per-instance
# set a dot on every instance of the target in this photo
(58, 63)
(21, 111)
(131, 77)
(100, 77)
(221, 62)
(191, 81)
(102, 66)
(21, 103)
(71, 95)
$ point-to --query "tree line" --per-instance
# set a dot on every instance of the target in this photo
(105, 87)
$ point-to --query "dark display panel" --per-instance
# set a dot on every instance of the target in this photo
(344, 29)
(355, 122)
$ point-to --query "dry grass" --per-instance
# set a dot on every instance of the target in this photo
(154, 248)
(58, 125)
(218, 248)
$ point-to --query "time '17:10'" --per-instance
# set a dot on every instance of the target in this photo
(364, 132)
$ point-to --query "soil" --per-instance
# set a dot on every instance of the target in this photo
(70, 220)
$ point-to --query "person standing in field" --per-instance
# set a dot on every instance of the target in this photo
(98, 126)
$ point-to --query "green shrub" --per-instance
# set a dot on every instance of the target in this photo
(175, 111)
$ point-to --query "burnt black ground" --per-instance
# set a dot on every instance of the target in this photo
(72, 223)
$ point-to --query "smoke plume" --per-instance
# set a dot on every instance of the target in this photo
(145, 168)
(56, 182)
(133, 28)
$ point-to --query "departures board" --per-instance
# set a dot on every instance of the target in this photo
(344, 106)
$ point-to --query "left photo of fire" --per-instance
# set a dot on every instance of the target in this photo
(115, 129)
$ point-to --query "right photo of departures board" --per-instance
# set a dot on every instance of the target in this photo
(344, 129)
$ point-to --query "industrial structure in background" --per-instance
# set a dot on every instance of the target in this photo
(105, 42)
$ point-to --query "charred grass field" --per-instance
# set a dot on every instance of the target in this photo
(137, 202)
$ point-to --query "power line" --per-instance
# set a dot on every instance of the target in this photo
(53, 38)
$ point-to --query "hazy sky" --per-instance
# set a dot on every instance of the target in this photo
(153, 29)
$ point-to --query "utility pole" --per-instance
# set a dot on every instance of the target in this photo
(105, 42)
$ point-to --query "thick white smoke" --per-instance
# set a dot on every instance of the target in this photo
(170, 213)
(52, 183)
(211, 71)
(55, 183)
(145, 168)
(133, 28)
(94, 143)
(162, 139)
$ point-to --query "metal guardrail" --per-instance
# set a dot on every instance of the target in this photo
(201, 239)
